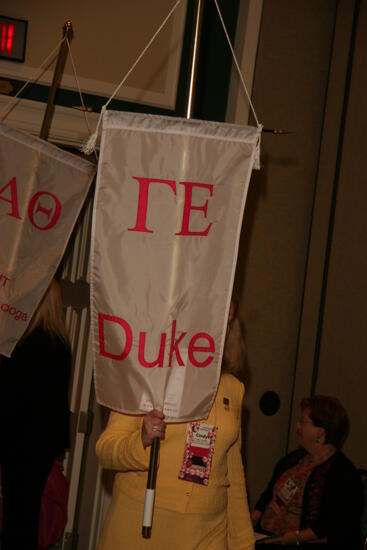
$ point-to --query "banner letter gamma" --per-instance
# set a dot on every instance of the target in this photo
(141, 218)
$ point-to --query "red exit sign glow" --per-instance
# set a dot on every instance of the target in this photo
(6, 37)
(13, 34)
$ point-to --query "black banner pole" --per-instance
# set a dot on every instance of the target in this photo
(150, 491)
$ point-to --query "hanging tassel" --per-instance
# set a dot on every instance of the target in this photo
(90, 145)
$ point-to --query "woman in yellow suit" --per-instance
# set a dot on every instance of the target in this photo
(191, 512)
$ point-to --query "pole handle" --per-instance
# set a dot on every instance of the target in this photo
(150, 491)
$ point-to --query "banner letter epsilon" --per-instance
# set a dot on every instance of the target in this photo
(189, 206)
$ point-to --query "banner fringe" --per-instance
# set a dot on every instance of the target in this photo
(90, 145)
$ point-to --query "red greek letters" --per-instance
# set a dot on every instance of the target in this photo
(141, 218)
(200, 349)
(143, 203)
(189, 186)
(44, 208)
(52, 213)
(13, 200)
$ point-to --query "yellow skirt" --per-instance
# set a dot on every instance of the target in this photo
(170, 530)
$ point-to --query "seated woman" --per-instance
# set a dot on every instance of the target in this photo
(315, 492)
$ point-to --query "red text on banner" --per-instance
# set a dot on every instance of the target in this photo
(141, 218)
(50, 213)
(195, 347)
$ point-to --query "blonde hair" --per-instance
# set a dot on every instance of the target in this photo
(49, 314)
(234, 349)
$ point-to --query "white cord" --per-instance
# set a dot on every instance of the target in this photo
(89, 146)
(80, 92)
(31, 80)
(78, 86)
(237, 66)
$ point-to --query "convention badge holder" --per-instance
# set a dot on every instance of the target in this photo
(198, 455)
(287, 492)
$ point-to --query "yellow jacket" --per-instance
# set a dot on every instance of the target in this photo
(120, 448)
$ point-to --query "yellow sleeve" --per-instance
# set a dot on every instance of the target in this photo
(120, 446)
(240, 531)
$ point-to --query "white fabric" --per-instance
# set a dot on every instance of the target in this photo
(148, 275)
(42, 189)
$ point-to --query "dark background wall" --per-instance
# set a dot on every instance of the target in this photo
(302, 264)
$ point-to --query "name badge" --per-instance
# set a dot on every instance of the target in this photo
(199, 450)
(287, 491)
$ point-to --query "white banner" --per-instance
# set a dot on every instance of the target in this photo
(42, 189)
(168, 212)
